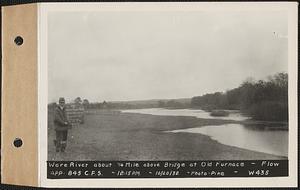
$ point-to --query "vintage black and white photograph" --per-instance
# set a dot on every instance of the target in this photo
(169, 84)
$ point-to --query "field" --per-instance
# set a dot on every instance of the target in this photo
(111, 135)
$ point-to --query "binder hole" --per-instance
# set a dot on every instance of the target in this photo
(19, 40)
(18, 142)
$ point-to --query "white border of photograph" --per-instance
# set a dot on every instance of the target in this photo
(290, 181)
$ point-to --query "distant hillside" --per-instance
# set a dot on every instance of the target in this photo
(138, 104)
(154, 101)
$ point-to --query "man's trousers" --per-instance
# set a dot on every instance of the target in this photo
(61, 140)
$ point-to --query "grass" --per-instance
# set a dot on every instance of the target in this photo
(116, 136)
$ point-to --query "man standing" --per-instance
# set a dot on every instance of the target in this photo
(61, 126)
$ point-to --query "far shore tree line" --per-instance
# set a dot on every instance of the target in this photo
(262, 99)
(170, 104)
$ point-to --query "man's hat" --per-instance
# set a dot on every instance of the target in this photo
(61, 100)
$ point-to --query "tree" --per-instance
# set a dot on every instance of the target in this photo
(263, 99)
(78, 100)
(85, 103)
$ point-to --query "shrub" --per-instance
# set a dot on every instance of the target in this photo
(219, 113)
(269, 110)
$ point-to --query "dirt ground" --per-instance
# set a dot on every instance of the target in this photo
(111, 135)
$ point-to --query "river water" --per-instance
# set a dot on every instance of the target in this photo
(234, 115)
(257, 138)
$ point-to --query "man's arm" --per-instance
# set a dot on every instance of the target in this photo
(58, 119)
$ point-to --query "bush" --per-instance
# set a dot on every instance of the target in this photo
(269, 110)
(219, 113)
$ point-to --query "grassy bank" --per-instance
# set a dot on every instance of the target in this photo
(128, 136)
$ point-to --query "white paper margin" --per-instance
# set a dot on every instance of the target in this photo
(290, 181)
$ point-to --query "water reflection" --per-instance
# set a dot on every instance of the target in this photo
(251, 138)
(233, 115)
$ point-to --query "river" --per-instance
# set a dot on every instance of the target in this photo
(257, 138)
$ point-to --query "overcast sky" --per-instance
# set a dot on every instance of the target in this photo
(157, 55)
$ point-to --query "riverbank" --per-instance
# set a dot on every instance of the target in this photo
(113, 135)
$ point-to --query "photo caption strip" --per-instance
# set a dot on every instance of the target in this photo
(166, 169)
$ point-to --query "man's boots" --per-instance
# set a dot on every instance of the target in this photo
(63, 146)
